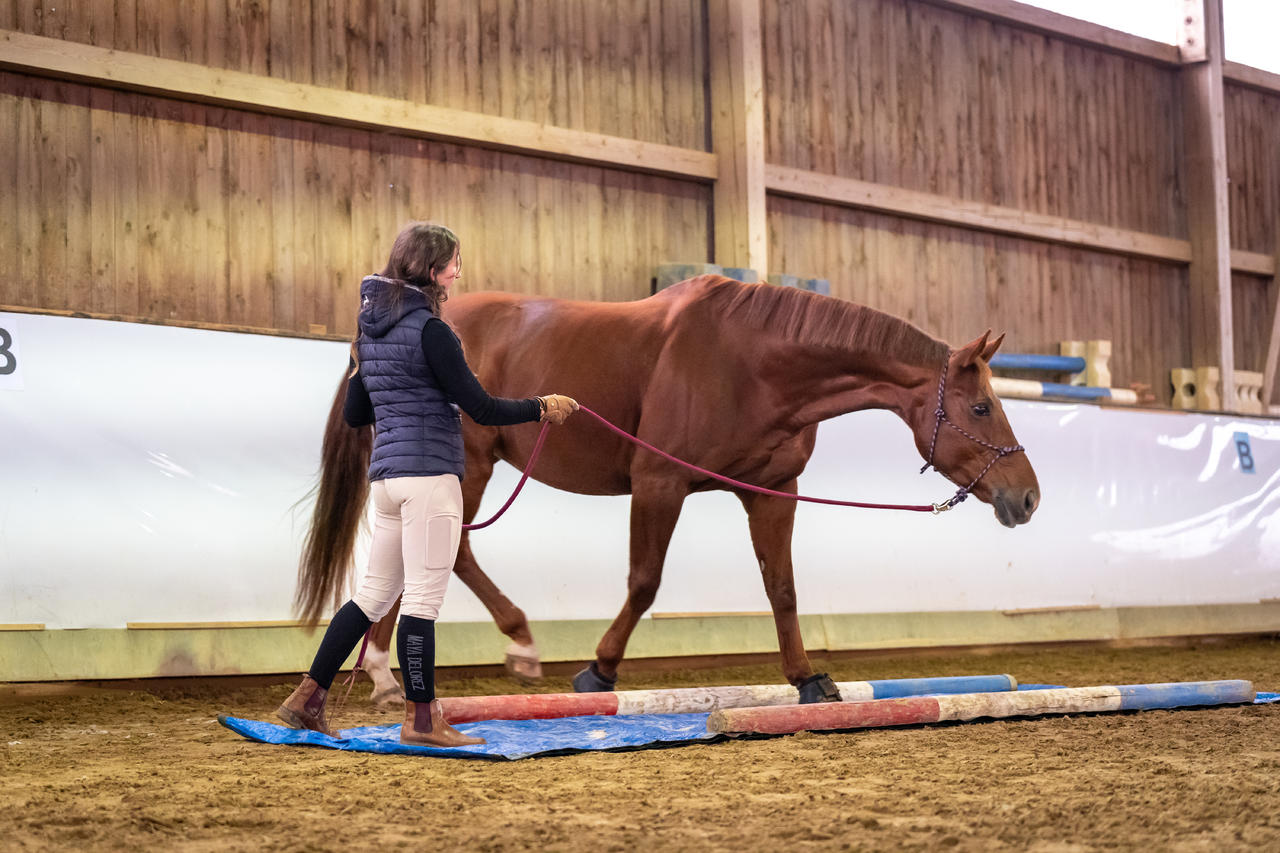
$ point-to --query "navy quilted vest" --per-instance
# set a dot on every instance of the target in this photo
(418, 431)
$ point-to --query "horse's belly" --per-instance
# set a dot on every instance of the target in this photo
(570, 462)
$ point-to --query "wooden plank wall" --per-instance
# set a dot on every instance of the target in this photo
(958, 283)
(1253, 169)
(141, 206)
(916, 96)
(629, 68)
(153, 208)
(137, 205)
(925, 98)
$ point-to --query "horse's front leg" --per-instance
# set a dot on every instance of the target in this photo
(387, 694)
(771, 521)
(655, 508)
(523, 660)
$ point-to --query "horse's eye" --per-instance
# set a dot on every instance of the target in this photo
(981, 409)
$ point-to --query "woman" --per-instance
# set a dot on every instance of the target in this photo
(409, 378)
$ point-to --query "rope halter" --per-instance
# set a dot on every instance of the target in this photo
(940, 418)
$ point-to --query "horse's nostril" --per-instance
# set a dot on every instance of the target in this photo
(1032, 500)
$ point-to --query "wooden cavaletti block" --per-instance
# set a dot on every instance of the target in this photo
(1097, 371)
(1208, 388)
(1074, 349)
(1200, 388)
(1097, 362)
(1248, 392)
(1183, 380)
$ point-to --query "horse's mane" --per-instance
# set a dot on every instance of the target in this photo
(815, 320)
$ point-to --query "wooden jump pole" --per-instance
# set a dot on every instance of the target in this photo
(697, 700)
(971, 706)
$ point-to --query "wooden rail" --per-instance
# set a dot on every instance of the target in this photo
(1095, 35)
(1063, 26)
(814, 186)
(190, 82)
(1247, 75)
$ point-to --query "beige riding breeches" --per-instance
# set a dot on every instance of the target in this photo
(416, 529)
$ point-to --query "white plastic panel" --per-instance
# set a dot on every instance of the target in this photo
(158, 474)
(149, 473)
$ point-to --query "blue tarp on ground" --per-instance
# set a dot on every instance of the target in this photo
(515, 739)
(507, 739)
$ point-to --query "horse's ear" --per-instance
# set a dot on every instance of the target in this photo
(972, 351)
(990, 349)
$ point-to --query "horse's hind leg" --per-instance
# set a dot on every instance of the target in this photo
(522, 661)
(655, 508)
(387, 694)
(771, 521)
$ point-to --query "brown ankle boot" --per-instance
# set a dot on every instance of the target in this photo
(304, 709)
(424, 725)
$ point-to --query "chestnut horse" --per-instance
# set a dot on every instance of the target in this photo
(732, 377)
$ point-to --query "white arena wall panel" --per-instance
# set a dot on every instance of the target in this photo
(154, 493)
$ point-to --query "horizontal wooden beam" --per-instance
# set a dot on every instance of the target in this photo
(1247, 75)
(1063, 26)
(1254, 263)
(1095, 35)
(186, 81)
(961, 213)
(972, 215)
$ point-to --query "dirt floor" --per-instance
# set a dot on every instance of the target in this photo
(116, 769)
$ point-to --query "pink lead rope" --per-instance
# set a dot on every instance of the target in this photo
(760, 490)
(729, 481)
(533, 457)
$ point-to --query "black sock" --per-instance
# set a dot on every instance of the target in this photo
(416, 648)
(348, 626)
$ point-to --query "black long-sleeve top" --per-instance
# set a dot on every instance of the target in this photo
(447, 364)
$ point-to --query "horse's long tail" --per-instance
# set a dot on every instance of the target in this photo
(340, 505)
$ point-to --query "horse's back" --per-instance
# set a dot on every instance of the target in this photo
(517, 342)
(498, 325)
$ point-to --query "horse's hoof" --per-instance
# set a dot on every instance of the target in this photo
(524, 664)
(388, 699)
(818, 688)
(591, 681)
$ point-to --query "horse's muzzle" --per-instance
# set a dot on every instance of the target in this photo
(1015, 506)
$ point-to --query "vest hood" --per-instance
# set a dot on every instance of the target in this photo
(377, 313)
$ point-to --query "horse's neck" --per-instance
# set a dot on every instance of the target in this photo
(822, 381)
(838, 383)
(823, 357)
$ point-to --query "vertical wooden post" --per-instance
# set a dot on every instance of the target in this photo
(736, 56)
(1208, 223)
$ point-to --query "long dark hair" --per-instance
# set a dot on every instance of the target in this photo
(421, 252)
